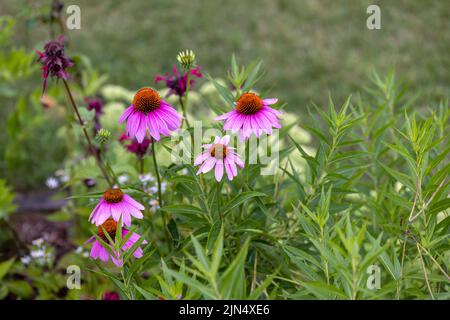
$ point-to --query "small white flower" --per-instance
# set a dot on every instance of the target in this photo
(86, 254)
(185, 171)
(63, 177)
(25, 260)
(154, 205)
(37, 254)
(163, 187)
(122, 179)
(145, 178)
(38, 242)
(151, 190)
(52, 183)
(78, 250)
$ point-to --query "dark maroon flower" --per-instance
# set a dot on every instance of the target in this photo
(177, 81)
(90, 183)
(54, 61)
(133, 146)
(97, 105)
(110, 295)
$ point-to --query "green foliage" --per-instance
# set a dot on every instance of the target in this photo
(6, 200)
(359, 184)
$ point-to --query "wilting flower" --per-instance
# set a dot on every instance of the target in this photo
(149, 111)
(98, 251)
(97, 105)
(178, 81)
(54, 61)
(139, 149)
(220, 156)
(115, 204)
(252, 115)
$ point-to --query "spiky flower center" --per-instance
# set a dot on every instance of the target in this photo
(110, 227)
(113, 195)
(249, 103)
(218, 151)
(146, 100)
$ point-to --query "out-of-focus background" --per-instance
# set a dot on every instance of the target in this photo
(310, 50)
(309, 47)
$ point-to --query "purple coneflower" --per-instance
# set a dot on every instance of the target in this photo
(115, 204)
(98, 251)
(220, 156)
(252, 115)
(178, 81)
(54, 61)
(149, 111)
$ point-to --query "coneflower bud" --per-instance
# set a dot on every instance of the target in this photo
(186, 59)
(102, 136)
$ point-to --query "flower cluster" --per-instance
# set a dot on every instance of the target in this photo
(54, 61)
(177, 82)
(133, 146)
(40, 253)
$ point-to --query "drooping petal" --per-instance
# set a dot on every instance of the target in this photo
(208, 164)
(224, 116)
(218, 172)
(270, 101)
(142, 129)
(225, 140)
(133, 202)
(152, 127)
(126, 113)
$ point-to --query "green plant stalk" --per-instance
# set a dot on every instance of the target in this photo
(247, 161)
(218, 199)
(107, 165)
(141, 165)
(186, 97)
(88, 139)
(158, 179)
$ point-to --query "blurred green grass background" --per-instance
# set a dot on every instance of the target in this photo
(309, 47)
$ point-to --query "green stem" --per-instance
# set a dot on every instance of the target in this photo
(88, 139)
(218, 199)
(158, 179)
(183, 108)
(247, 161)
(141, 165)
(186, 95)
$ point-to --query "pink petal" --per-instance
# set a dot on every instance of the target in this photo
(218, 172)
(270, 101)
(126, 113)
(133, 202)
